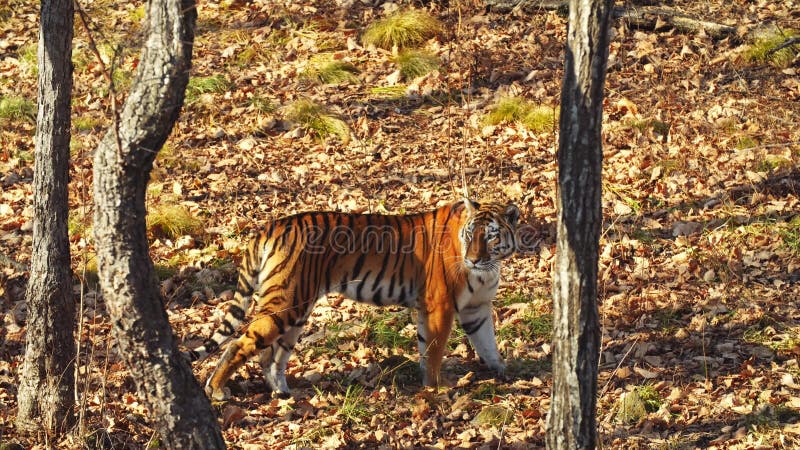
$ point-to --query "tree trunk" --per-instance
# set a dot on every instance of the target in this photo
(576, 334)
(181, 413)
(46, 383)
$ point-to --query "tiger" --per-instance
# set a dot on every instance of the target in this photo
(445, 262)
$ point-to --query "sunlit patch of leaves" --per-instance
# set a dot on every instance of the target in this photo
(416, 63)
(28, 59)
(17, 108)
(215, 84)
(762, 50)
(768, 417)
(318, 120)
(172, 221)
(402, 29)
(313, 437)
(537, 118)
(323, 69)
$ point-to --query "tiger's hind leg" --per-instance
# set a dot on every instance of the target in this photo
(275, 358)
(260, 334)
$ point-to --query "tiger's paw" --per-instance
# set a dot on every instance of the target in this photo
(217, 395)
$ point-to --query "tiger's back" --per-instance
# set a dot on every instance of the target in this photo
(412, 260)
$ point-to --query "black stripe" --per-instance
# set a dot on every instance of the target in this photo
(226, 328)
(469, 286)
(359, 263)
(402, 297)
(236, 312)
(361, 286)
(279, 323)
(284, 346)
(377, 298)
(420, 338)
(475, 325)
(384, 264)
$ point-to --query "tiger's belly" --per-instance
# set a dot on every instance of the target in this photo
(383, 292)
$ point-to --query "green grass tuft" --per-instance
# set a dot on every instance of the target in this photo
(317, 120)
(29, 59)
(173, 221)
(354, 408)
(17, 108)
(537, 118)
(416, 63)
(262, 104)
(385, 329)
(322, 69)
(198, 86)
(493, 416)
(402, 29)
(531, 325)
(791, 236)
(761, 51)
(396, 92)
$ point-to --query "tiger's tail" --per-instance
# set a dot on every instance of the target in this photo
(234, 317)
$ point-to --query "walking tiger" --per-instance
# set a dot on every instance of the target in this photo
(445, 263)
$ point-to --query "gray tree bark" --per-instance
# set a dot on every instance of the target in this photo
(46, 383)
(180, 411)
(576, 335)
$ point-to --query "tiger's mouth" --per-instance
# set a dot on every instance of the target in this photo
(482, 266)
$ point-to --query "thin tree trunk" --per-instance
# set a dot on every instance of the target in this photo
(571, 420)
(180, 411)
(46, 383)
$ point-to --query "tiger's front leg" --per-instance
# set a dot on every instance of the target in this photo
(433, 332)
(476, 320)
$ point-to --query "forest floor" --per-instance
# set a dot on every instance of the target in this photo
(700, 250)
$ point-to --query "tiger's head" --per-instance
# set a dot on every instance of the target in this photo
(488, 234)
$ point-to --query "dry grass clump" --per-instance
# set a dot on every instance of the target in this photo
(173, 221)
(323, 69)
(536, 118)
(317, 120)
(416, 63)
(402, 29)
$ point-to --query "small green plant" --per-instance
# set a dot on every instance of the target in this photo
(322, 69)
(402, 29)
(745, 142)
(198, 86)
(17, 108)
(312, 438)
(262, 104)
(317, 120)
(354, 408)
(488, 391)
(536, 118)
(416, 63)
(136, 15)
(791, 236)
(650, 397)
(253, 52)
(173, 221)
(763, 49)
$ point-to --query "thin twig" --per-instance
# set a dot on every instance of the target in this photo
(789, 42)
(112, 93)
(605, 388)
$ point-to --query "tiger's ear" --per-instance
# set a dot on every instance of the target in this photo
(469, 206)
(512, 214)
